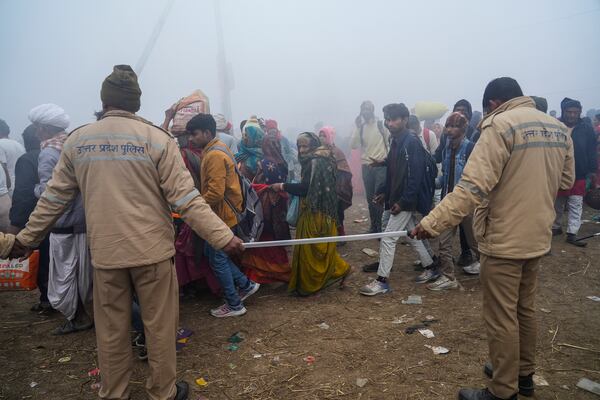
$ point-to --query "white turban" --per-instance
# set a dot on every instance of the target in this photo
(49, 114)
(221, 122)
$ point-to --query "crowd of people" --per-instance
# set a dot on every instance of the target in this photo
(121, 209)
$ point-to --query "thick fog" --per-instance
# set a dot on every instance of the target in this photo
(298, 62)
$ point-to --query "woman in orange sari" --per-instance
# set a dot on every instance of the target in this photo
(270, 264)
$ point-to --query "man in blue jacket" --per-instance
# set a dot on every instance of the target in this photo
(406, 166)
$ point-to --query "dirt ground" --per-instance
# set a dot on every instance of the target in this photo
(362, 341)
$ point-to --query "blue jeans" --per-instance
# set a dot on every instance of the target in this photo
(229, 275)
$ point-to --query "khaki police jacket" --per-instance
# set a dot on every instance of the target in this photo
(515, 170)
(130, 174)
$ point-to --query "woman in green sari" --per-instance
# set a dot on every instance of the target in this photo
(315, 266)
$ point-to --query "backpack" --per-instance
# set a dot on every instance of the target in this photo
(250, 220)
(427, 189)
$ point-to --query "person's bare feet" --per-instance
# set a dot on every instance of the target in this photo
(344, 280)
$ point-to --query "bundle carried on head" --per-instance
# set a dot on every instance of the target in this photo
(429, 110)
(184, 110)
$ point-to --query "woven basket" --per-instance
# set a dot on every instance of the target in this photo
(592, 199)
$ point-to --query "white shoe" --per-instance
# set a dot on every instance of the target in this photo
(225, 311)
(473, 269)
(374, 288)
(443, 283)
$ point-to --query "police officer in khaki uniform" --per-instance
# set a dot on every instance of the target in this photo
(131, 175)
(518, 165)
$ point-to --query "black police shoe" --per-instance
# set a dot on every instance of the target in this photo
(526, 386)
(480, 394)
(373, 267)
(572, 239)
(183, 390)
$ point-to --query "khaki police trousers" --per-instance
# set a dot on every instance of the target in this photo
(158, 293)
(509, 288)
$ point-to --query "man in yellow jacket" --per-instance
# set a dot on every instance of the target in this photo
(130, 174)
(520, 162)
(220, 187)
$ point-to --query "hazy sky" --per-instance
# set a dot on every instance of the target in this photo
(297, 61)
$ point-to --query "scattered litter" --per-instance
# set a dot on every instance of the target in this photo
(590, 386)
(183, 340)
(257, 355)
(237, 337)
(412, 329)
(361, 382)
(94, 373)
(64, 360)
(564, 387)
(430, 318)
(232, 366)
(201, 382)
(233, 347)
(545, 310)
(594, 298)
(309, 360)
(413, 299)
(428, 333)
(360, 220)
(370, 252)
(323, 325)
(562, 251)
(183, 333)
(275, 360)
(438, 349)
(33, 384)
(403, 319)
(539, 380)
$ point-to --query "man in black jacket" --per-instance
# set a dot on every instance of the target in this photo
(584, 146)
(405, 174)
(23, 204)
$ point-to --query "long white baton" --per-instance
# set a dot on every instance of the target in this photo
(330, 239)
